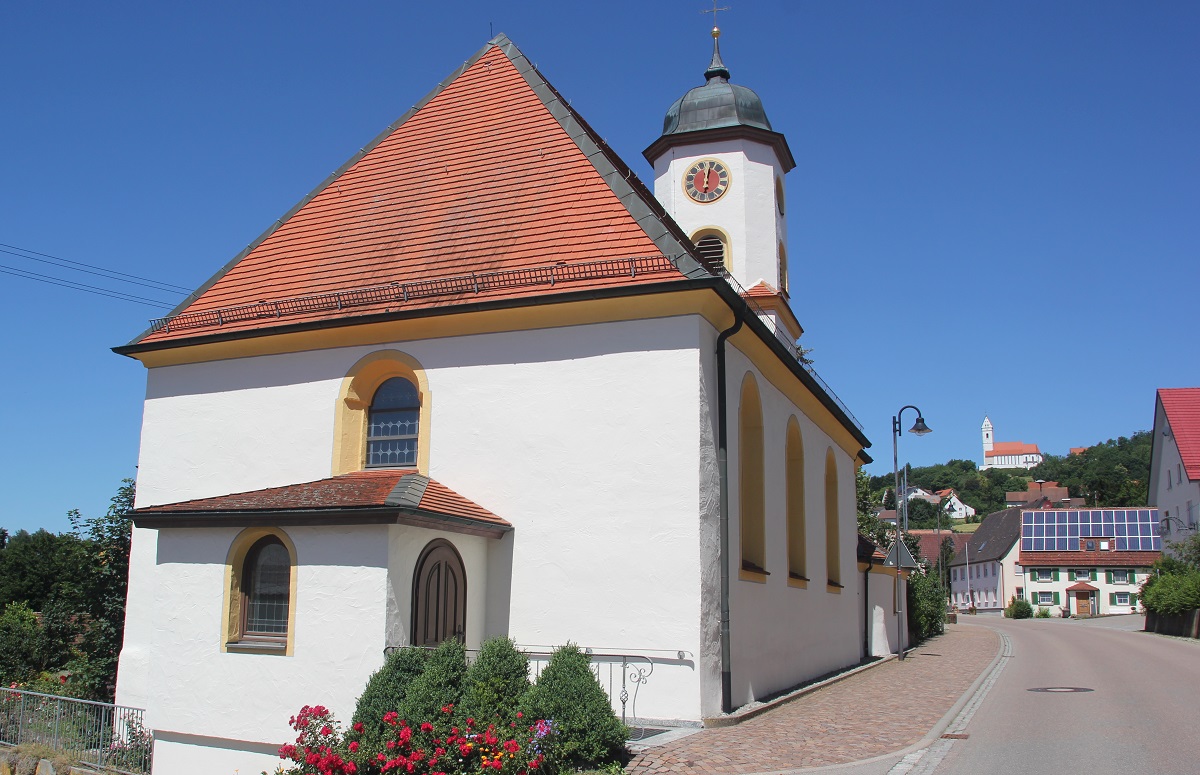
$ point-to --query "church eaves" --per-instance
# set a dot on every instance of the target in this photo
(490, 189)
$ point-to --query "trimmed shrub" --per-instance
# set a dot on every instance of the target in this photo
(386, 690)
(439, 684)
(1042, 613)
(586, 731)
(496, 682)
(1172, 594)
(926, 606)
(1019, 609)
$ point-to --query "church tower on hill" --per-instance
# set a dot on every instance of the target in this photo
(718, 170)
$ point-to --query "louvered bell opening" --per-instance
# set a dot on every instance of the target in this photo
(712, 250)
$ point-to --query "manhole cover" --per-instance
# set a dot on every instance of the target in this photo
(1062, 689)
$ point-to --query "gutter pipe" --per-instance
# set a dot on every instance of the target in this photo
(723, 474)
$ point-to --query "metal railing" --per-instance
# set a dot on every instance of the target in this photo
(112, 737)
(786, 340)
(621, 675)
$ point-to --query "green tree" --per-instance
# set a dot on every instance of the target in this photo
(103, 589)
(496, 682)
(19, 635)
(34, 566)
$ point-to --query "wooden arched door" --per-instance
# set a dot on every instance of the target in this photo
(439, 595)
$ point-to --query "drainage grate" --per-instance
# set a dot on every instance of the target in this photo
(1061, 689)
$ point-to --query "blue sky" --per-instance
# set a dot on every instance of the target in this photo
(996, 206)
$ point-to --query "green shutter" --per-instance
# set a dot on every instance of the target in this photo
(1133, 599)
(1112, 598)
(1055, 576)
(1108, 576)
(1056, 599)
(1092, 574)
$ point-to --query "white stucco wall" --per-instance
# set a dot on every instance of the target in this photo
(783, 635)
(747, 212)
(172, 664)
(585, 438)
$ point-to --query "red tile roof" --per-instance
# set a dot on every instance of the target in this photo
(1012, 448)
(928, 540)
(1182, 406)
(492, 173)
(1082, 586)
(1097, 559)
(400, 489)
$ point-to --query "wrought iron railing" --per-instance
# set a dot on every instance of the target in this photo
(787, 341)
(112, 737)
(621, 675)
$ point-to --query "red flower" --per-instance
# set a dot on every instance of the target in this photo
(520, 714)
(353, 746)
(426, 727)
(358, 726)
(326, 730)
(470, 721)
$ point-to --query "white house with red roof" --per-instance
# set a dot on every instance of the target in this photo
(952, 505)
(419, 408)
(1007, 454)
(1175, 462)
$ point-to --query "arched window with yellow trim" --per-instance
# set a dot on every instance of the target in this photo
(796, 527)
(752, 514)
(260, 592)
(382, 415)
(833, 561)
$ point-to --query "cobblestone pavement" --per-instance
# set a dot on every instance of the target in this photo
(875, 712)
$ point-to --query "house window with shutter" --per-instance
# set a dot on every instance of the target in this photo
(1120, 577)
(1121, 598)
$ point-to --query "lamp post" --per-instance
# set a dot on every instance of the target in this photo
(919, 428)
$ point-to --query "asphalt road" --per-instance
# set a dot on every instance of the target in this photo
(1137, 714)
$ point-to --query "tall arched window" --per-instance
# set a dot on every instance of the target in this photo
(832, 554)
(752, 515)
(266, 586)
(392, 425)
(783, 268)
(796, 528)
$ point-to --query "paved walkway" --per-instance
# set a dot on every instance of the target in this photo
(875, 712)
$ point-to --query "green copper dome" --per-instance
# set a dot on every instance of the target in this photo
(718, 103)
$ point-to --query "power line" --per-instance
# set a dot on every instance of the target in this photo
(110, 274)
(83, 287)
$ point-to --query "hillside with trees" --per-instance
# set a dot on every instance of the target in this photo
(1113, 473)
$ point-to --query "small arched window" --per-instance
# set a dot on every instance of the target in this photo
(392, 425)
(783, 268)
(266, 586)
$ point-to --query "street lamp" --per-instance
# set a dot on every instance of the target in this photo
(919, 428)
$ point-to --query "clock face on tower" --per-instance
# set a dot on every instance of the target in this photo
(706, 181)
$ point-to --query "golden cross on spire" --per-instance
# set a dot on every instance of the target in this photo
(714, 10)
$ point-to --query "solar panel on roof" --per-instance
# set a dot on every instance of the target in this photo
(1133, 530)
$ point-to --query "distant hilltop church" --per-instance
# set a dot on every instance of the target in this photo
(1007, 454)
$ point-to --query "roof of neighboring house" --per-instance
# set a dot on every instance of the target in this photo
(1077, 450)
(997, 534)
(946, 493)
(929, 541)
(887, 515)
(1182, 406)
(491, 188)
(1082, 586)
(382, 495)
(1001, 448)
(868, 550)
(1086, 559)
(1050, 491)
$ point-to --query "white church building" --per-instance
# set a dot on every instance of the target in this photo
(419, 408)
(1007, 454)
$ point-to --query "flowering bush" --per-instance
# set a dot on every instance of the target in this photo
(318, 748)
(437, 747)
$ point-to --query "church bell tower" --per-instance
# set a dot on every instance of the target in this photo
(718, 170)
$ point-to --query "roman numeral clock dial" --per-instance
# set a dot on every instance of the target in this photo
(706, 181)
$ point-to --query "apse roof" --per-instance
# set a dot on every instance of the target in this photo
(490, 188)
(381, 496)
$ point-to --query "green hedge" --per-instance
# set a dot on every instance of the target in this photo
(1172, 593)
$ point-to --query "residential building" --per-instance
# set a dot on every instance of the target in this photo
(1041, 494)
(534, 401)
(930, 539)
(1087, 562)
(953, 506)
(983, 573)
(1007, 454)
(1175, 462)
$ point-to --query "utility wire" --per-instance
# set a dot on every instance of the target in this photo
(84, 287)
(101, 271)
